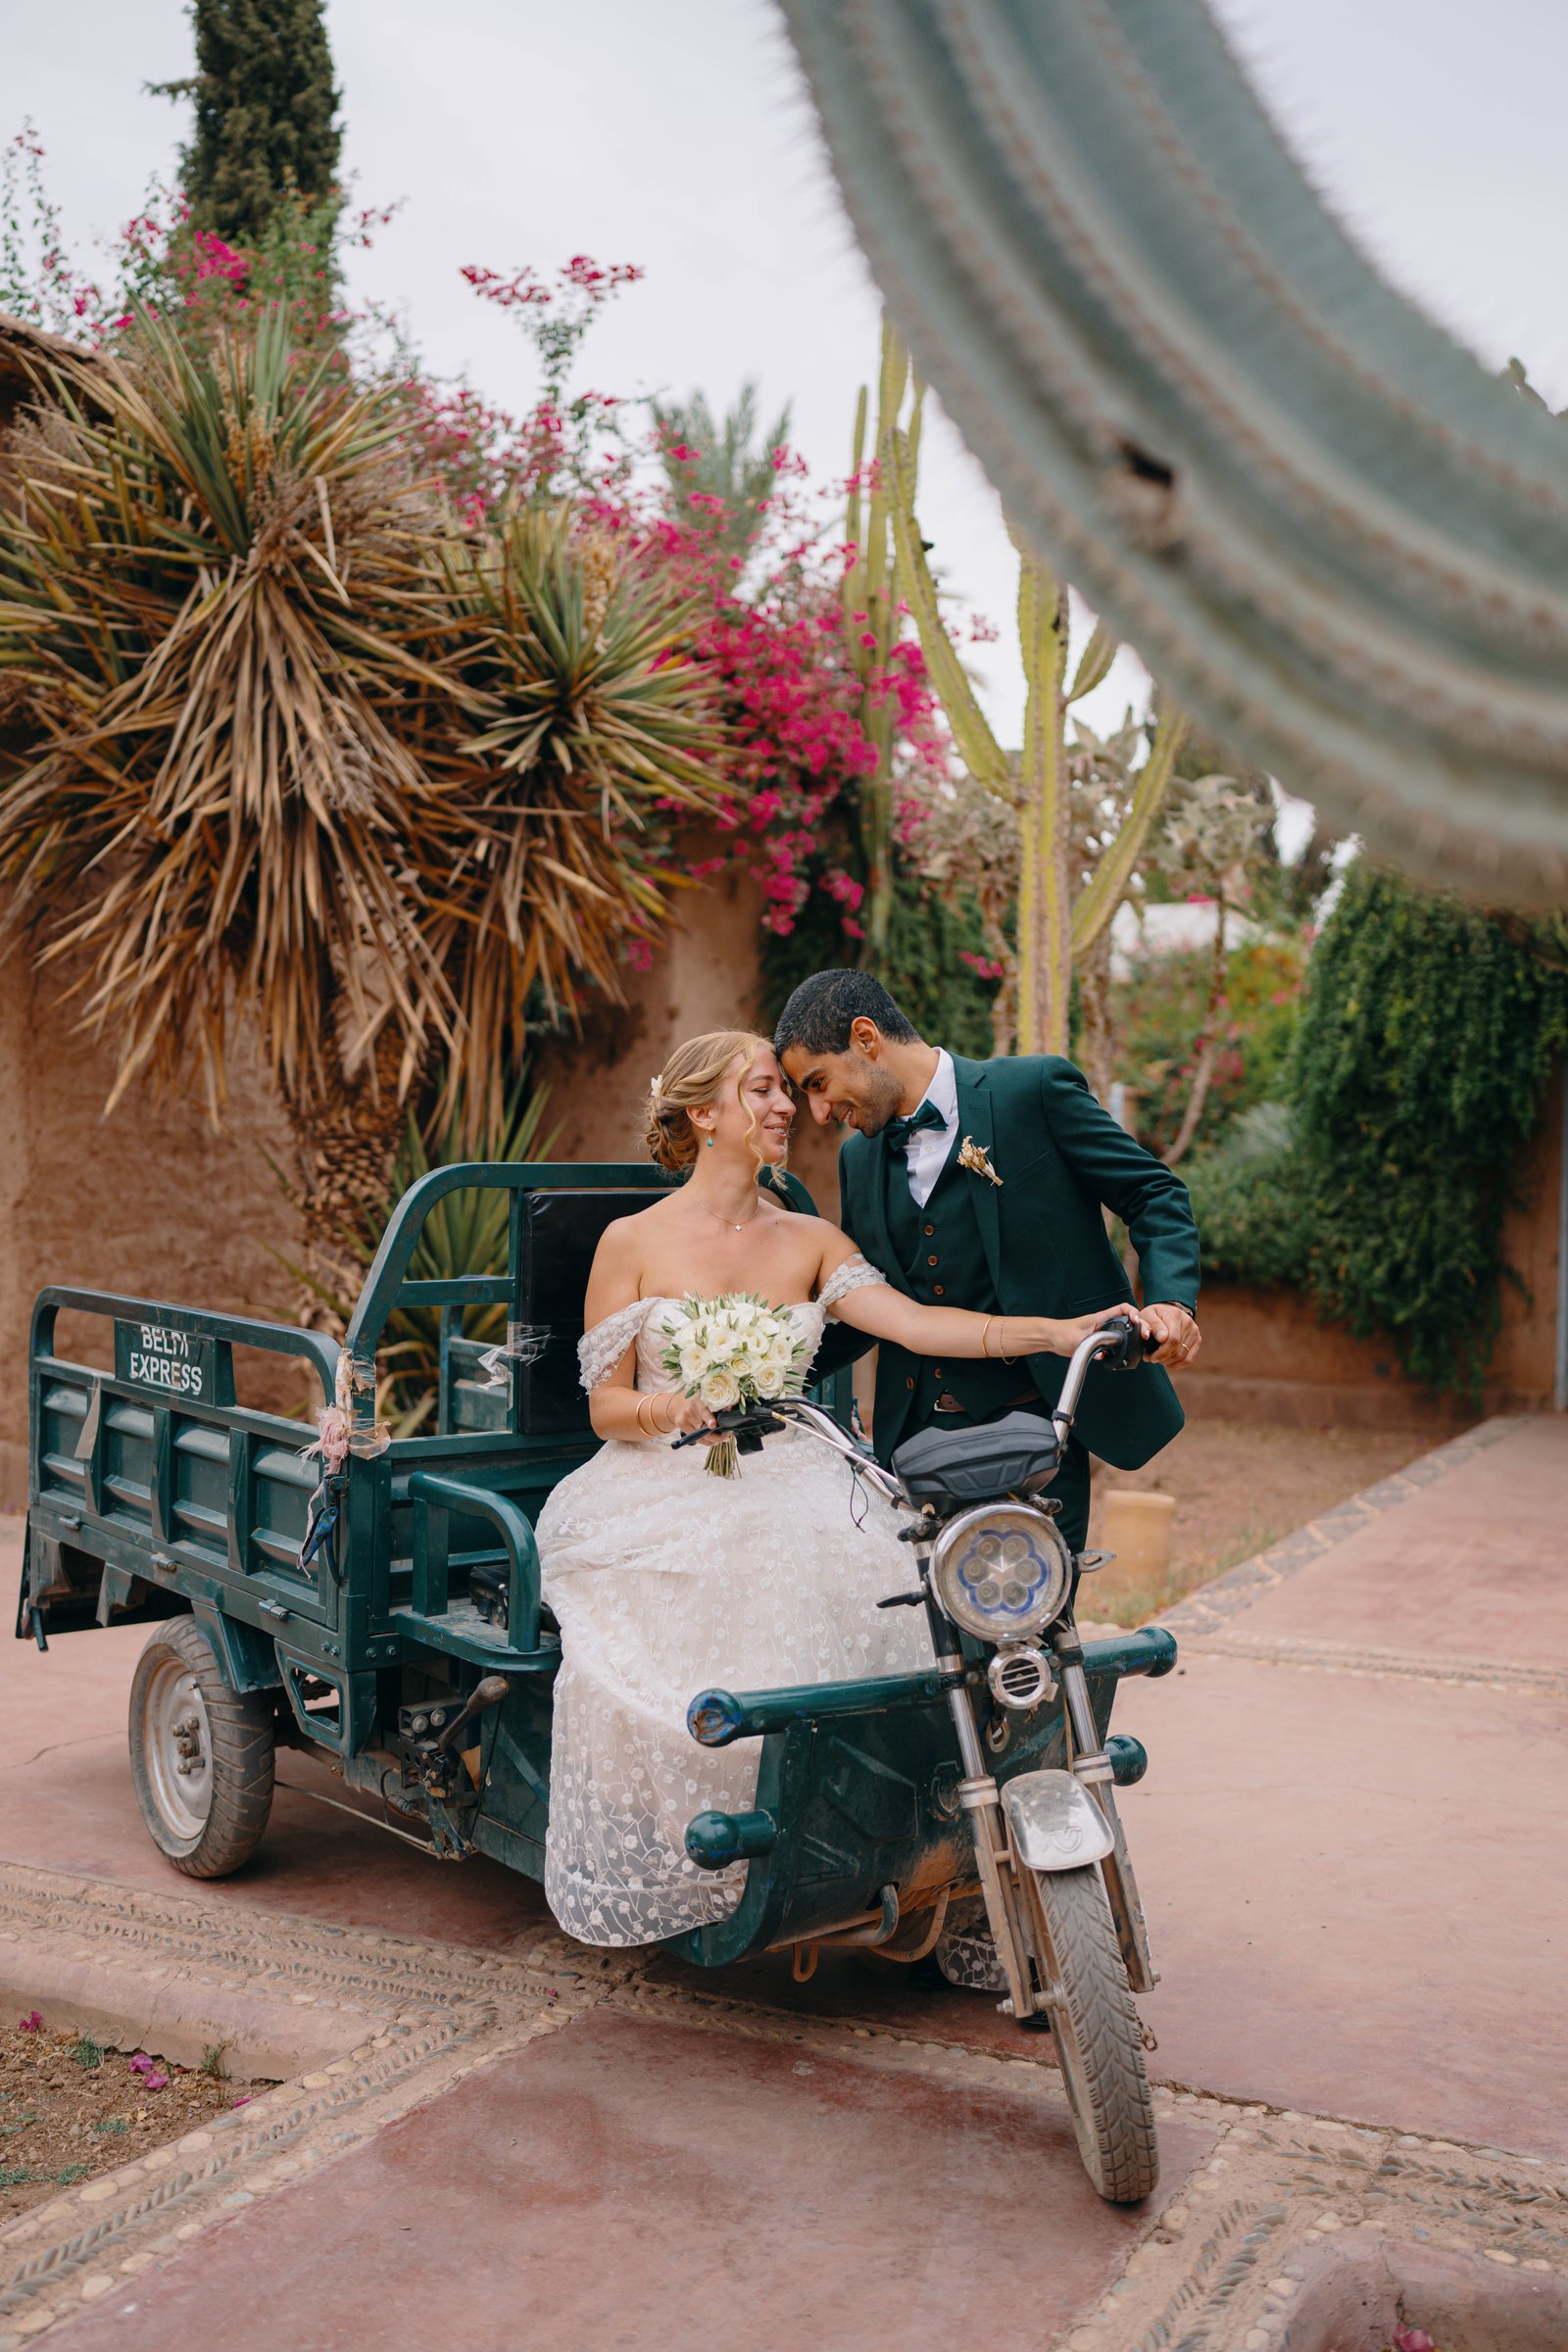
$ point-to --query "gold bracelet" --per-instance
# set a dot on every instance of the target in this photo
(985, 1337)
(644, 1429)
(1001, 1343)
(660, 1429)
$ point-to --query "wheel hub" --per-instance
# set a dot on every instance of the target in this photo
(178, 1748)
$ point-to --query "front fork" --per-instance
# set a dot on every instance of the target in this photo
(980, 1796)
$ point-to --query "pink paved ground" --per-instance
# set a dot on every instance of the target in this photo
(1353, 1885)
(1479, 1557)
(629, 2183)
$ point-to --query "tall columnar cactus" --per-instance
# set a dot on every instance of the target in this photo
(872, 622)
(1062, 911)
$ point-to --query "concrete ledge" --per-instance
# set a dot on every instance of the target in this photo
(177, 2013)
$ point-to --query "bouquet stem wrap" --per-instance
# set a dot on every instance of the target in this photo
(734, 1351)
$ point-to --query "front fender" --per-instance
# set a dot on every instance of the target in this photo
(1054, 1822)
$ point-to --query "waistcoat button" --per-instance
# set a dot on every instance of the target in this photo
(937, 1287)
(931, 1262)
(930, 1229)
(909, 1383)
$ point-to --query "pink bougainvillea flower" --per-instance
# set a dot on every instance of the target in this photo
(243, 2100)
(1412, 2339)
(33, 2023)
(154, 2081)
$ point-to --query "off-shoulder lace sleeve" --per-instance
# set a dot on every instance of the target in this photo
(601, 1349)
(853, 1275)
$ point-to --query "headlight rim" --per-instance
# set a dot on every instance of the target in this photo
(970, 1620)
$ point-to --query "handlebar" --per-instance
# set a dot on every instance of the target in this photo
(1118, 1342)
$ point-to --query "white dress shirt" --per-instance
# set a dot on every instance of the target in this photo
(928, 1147)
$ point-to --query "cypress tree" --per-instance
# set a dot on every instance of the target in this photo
(265, 108)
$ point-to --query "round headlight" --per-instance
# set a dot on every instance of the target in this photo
(1002, 1571)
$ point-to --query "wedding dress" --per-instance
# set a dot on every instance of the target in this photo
(666, 1581)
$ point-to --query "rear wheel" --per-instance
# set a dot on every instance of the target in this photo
(201, 1755)
(1095, 2030)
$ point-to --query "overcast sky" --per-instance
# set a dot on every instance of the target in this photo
(677, 137)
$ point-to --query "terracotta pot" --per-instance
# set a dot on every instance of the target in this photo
(1135, 1525)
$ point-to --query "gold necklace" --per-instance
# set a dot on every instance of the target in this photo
(713, 1212)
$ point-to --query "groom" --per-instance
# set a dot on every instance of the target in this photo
(981, 1184)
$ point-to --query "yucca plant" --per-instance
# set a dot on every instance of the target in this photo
(297, 751)
(592, 725)
(206, 591)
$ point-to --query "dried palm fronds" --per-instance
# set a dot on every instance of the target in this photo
(209, 592)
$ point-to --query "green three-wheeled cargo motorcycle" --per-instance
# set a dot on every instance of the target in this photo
(389, 1615)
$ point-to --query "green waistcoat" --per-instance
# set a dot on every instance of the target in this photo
(942, 1255)
(1061, 1162)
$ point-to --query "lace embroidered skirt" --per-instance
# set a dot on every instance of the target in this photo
(664, 1581)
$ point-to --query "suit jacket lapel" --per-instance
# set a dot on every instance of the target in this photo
(975, 1122)
(876, 1241)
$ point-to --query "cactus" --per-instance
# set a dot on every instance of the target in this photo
(1057, 922)
(872, 622)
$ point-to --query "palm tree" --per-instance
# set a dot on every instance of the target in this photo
(725, 462)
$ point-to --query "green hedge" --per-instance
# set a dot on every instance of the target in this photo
(1426, 1038)
(1426, 1042)
(1248, 1199)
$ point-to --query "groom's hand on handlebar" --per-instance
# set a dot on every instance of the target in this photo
(1076, 1328)
(1176, 1332)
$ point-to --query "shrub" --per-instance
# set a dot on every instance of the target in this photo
(1426, 1038)
(1248, 1197)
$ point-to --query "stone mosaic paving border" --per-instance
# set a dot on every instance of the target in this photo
(1203, 1612)
(1222, 2266)
(436, 2013)
(1347, 1657)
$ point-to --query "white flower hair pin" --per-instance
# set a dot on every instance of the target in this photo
(977, 1159)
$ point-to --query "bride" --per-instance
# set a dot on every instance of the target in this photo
(665, 1581)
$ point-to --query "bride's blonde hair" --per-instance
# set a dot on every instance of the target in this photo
(690, 1080)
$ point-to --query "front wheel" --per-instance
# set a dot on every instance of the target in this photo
(1095, 2030)
(201, 1755)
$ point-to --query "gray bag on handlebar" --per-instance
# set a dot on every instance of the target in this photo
(1011, 1456)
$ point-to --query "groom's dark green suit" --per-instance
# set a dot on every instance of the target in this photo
(1035, 1243)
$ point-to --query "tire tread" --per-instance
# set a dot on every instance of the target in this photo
(1117, 2138)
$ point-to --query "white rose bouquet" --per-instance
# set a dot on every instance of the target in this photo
(734, 1351)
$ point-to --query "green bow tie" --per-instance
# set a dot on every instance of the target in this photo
(899, 1131)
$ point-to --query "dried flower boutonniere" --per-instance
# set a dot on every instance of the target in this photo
(975, 1158)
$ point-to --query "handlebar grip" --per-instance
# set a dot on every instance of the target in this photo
(733, 1421)
(1131, 1347)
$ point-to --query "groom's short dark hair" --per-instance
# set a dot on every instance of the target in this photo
(823, 1010)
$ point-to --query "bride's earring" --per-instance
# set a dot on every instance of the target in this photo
(710, 1140)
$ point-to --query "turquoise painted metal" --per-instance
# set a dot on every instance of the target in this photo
(154, 1494)
(1329, 532)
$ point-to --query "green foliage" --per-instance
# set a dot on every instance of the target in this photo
(724, 463)
(926, 967)
(1426, 1038)
(1247, 1197)
(1158, 1017)
(87, 2052)
(266, 114)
